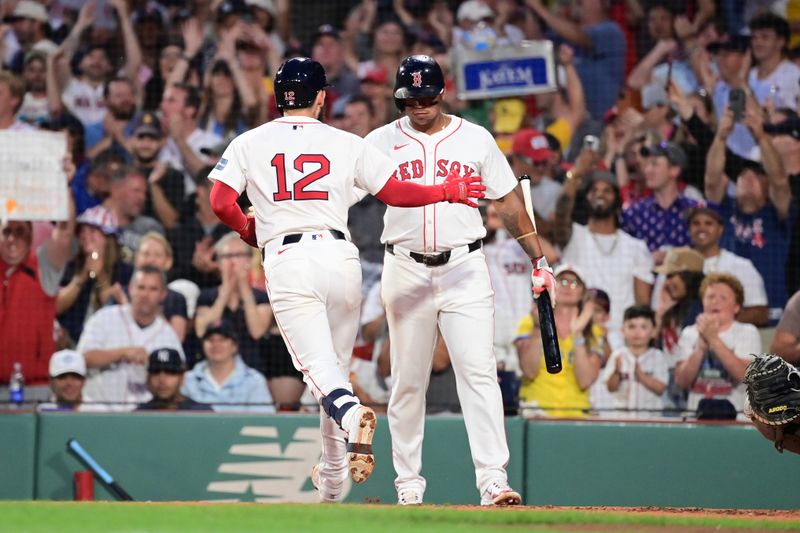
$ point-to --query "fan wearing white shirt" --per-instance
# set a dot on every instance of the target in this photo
(705, 230)
(613, 260)
(118, 339)
(179, 107)
(774, 76)
(716, 349)
(637, 374)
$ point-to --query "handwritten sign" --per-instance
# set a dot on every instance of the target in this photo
(32, 180)
(528, 68)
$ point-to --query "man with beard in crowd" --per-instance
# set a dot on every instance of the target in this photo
(613, 260)
(120, 98)
(84, 95)
(34, 109)
(165, 187)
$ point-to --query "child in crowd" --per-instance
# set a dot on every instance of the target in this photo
(637, 373)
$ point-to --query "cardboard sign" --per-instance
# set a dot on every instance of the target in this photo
(32, 180)
(528, 68)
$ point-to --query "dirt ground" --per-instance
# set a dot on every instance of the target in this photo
(772, 516)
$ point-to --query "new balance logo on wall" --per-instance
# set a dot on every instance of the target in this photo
(276, 475)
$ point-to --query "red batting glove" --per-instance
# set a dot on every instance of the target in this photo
(542, 279)
(248, 232)
(458, 190)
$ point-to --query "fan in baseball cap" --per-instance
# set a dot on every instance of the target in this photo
(674, 153)
(223, 328)
(101, 218)
(167, 360)
(67, 362)
(28, 9)
(531, 144)
(147, 123)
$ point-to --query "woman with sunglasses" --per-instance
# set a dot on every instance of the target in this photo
(583, 351)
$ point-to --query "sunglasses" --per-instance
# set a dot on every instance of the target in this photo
(571, 283)
(422, 103)
(18, 232)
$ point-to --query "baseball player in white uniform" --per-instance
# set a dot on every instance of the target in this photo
(299, 175)
(435, 274)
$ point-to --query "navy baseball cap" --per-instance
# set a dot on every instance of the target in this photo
(167, 360)
(674, 153)
(223, 328)
(704, 208)
(147, 123)
(730, 43)
(790, 126)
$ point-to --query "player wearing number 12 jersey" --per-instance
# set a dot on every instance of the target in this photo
(435, 275)
(299, 175)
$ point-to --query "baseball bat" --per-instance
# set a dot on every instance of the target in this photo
(74, 447)
(547, 321)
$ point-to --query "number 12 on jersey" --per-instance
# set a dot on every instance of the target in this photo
(299, 190)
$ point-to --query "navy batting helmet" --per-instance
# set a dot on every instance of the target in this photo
(297, 83)
(417, 77)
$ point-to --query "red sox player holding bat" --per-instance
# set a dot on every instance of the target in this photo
(435, 274)
(300, 174)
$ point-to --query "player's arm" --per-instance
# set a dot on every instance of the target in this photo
(787, 345)
(454, 189)
(223, 203)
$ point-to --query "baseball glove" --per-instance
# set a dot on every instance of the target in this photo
(773, 391)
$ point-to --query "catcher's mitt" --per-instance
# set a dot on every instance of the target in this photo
(773, 391)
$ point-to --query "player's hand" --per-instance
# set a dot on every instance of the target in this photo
(542, 279)
(248, 232)
(458, 190)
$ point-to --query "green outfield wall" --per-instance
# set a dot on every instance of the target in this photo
(203, 456)
(17, 455)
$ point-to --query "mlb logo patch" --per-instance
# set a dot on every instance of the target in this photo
(316, 237)
(221, 164)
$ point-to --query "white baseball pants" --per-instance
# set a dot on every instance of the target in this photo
(457, 297)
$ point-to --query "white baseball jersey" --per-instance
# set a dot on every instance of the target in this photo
(84, 101)
(632, 395)
(307, 186)
(114, 327)
(510, 270)
(427, 160)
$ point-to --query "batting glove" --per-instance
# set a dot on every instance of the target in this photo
(248, 232)
(458, 190)
(542, 279)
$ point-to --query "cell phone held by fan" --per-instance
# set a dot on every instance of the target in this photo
(737, 100)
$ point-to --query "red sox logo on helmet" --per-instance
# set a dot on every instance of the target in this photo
(416, 79)
(289, 97)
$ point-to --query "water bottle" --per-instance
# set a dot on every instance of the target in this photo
(16, 386)
(482, 37)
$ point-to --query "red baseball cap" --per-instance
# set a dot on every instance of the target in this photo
(532, 144)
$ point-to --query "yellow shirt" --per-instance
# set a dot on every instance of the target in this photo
(561, 130)
(558, 394)
(793, 16)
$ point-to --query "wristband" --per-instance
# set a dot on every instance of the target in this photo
(540, 262)
(526, 235)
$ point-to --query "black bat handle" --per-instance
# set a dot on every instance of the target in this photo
(547, 325)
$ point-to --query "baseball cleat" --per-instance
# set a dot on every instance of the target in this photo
(326, 494)
(500, 494)
(409, 497)
(359, 444)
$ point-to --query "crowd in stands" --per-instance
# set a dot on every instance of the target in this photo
(665, 176)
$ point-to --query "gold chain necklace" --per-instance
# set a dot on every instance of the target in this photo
(599, 247)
